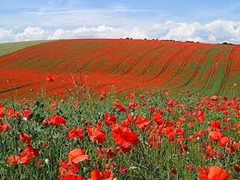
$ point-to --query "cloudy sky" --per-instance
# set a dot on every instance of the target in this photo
(211, 21)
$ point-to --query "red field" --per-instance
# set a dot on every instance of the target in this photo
(125, 64)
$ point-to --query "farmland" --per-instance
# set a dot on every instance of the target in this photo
(124, 64)
(98, 109)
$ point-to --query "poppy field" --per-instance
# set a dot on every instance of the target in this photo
(126, 64)
(132, 136)
(119, 110)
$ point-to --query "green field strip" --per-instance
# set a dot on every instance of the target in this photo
(202, 75)
(232, 85)
(227, 71)
(215, 80)
(7, 48)
(211, 68)
(180, 70)
(165, 66)
(196, 71)
(173, 69)
(29, 60)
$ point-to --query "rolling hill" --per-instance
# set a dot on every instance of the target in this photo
(126, 64)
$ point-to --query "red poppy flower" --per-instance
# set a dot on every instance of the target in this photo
(215, 135)
(2, 112)
(3, 127)
(105, 153)
(77, 155)
(67, 168)
(25, 157)
(189, 167)
(120, 107)
(213, 173)
(76, 134)
(201, 116)
(158, 118)
(223, 141)
(104, 175)
(123, 170)
(124, 137)
(236, 167)
(132, 105)
(96, 134)
(214, 98)
(143, 123)
(102, 96)
(50, 78)
(215, 126)
(55, 121)
(25, 138)
(38, 164)
(110, 119)
(131, 96)
(155, 140)
(28, 114)
(71, 177)
(58, 93)
(11, 113)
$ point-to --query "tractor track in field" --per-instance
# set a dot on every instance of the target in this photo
(228, 69)
(183, 65)
(127, 56)
(100, 56)
(16, 88)
(197, 69)
(120, 63)
(67, 59)
(212, 69)
(88, 62)
(154, 61)
(141, 58)
(166, 65)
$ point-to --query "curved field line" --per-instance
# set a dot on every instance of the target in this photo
(129, 57)
(82, 45)
(166, 65)
(213, 69)
(197, 69)
(228, 69)
(16, 88)
(183, 65)
(140, 58)
(100, 55)
(87, 62)
(118, 64)
(153, 62)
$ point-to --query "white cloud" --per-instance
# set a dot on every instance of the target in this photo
(5, 35)
(97, 32)
(214, 32)
(31, 33)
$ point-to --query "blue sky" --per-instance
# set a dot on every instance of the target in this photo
(200, 20)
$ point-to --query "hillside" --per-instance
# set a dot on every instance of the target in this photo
(129, 65)
(7, 48)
